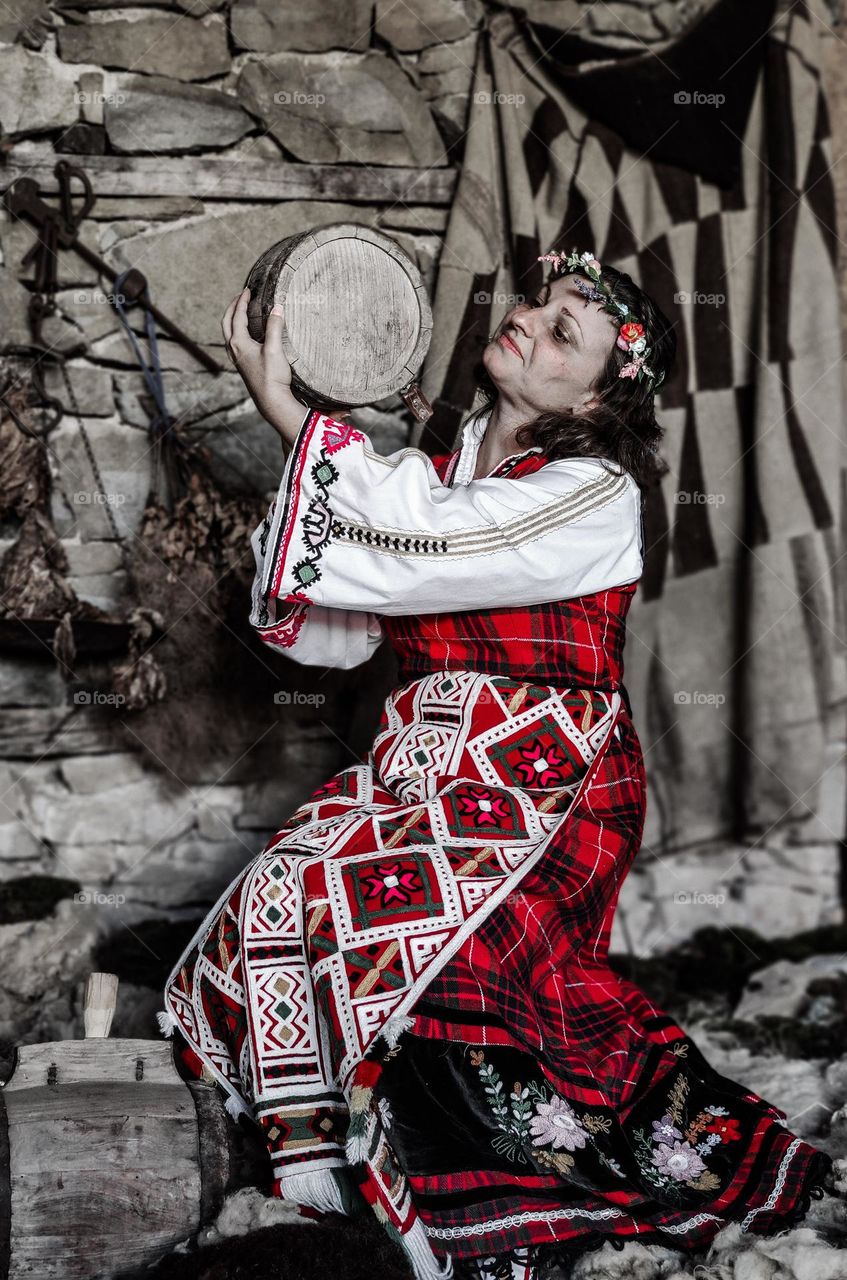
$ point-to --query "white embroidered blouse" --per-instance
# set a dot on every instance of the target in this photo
(359, 535)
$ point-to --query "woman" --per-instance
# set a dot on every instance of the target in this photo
(408, 989)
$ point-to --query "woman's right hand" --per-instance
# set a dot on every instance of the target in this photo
(263, 366)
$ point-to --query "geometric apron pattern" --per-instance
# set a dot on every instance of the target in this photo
(324, 941)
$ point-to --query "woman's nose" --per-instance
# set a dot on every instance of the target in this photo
(519, 320)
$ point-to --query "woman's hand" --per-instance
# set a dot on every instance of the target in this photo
(263, 366)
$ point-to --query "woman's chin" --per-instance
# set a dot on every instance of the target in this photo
(492, 359)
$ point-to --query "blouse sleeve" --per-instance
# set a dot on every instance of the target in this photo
(310, 634)
(355, 530)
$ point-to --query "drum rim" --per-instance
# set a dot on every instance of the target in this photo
(307, 243)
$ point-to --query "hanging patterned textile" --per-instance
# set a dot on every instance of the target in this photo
(725, 214)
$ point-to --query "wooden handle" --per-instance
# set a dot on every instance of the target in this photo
(101, 993)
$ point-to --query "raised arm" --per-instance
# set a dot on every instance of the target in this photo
(355, 530)
(309, 633)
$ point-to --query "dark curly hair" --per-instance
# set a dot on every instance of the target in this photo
(622, 426)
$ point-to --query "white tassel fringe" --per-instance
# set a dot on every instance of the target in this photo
(237, 1106)
(394, 1028)
(356, 1148)
(167, 1022)
(318, 1189)
(425, 1265)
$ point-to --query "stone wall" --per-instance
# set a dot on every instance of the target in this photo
(212, 129)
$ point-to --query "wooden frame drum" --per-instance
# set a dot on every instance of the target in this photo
(357, 320)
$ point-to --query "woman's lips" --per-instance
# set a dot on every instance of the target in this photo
(509, 344)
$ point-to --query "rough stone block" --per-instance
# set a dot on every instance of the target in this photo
(123, 457)
(426, 23)
(270, 26)
(37, 91)
(185, 48)
(155, 113)
(342, 108)
(91, 385)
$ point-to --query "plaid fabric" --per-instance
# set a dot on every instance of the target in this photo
(656, 1146)
(742, 536)
(304, 972)
(518, 1094)
(536, 1099)
(577, 641)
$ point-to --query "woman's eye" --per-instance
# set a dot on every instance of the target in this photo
(558, 331)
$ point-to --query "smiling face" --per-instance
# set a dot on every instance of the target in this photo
(548, 352)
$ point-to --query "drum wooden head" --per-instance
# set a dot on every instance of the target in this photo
(357, 321)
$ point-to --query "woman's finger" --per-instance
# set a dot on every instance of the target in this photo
(226, 322)
(240, 332)
(273, 330)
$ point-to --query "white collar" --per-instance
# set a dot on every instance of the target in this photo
(472, 432)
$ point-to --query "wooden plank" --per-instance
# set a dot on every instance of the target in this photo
(84, 1061)
(166, 1102)
(5, 1194)
(79, 1231)
(113, 207)
(35, 733)
(229, 178)
(418, 217)
(109, 1145)
(212, 1136)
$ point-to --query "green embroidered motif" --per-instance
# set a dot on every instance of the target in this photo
(305, 573)
(535, 1121)
(316, 523)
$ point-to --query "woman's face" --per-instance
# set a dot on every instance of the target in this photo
(548, 352)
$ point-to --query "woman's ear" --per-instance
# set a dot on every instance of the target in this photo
(590, 402)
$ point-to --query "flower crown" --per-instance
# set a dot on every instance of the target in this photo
(631, 335)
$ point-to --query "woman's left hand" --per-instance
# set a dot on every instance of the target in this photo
(262, 365)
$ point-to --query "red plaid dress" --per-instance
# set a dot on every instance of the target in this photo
(411, 983)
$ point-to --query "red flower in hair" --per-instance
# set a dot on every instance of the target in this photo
(631, 331)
